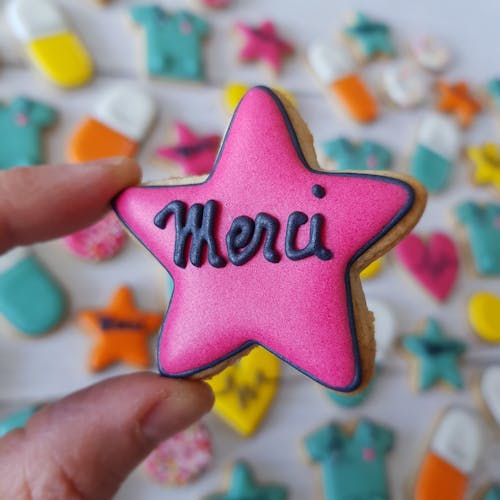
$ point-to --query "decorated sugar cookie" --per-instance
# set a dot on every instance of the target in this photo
(181, 459)
(17, 419)
(438, 144)
(174, 42)
(49, 41)
(484, 316)
(30, 298)
(436, 357)
(405, 84)
(372, 270)
(234, 92)
(214, 4)
(492, 493)
(489, 390)
(336, 71)
(457, 99)
(120, 331)
(369, 38)
(263, 43)
(243, 485)
(451, 458)
(482, 225)
(485, 160)
(493, 90)
(353, 461)
(227, 235)
(365, 155)
(99, 242)
(385, 335)
(22, 123)
(195, 154)
(430, 53)
(245, 390)
(433, 262)
(117, 124)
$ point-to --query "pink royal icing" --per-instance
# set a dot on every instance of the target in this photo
(299, 309)
(434, 265)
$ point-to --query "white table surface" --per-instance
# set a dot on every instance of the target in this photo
(57, 363)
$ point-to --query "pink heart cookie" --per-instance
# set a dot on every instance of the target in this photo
(433, 263)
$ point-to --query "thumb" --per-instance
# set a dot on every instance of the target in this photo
(85, 445)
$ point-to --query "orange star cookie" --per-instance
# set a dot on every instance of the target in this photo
(456, 98)
(120, 331)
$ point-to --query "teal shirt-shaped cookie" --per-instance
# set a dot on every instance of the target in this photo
(353, 466)
(430, 168)
(30, 299)
(174, 42)
(367, 155)
(244, 487)
(373, 37)
(21, 124)
(351, 401)
(483, 228)
(493, 493)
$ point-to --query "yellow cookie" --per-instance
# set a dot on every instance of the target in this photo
(484, 315)
(244, 391)
(372, 270)
(233, 92)
(486, 160)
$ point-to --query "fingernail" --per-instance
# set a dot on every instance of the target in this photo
(177, 411)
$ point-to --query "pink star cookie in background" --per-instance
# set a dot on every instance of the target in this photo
(262, 43)
(216, 4)
(195, 154)
(98, 242)
(267, 250)
(181, 459)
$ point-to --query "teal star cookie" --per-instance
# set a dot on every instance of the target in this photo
(373, 38)
(438, 356)
(244, 487)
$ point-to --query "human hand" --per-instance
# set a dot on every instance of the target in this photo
(85, 445)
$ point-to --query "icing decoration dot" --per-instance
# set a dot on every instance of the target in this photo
(318, 191)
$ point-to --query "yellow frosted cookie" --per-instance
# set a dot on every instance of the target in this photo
(484, 316)
(372, 270)
(486, 161)
(233, 92)
(244, 391)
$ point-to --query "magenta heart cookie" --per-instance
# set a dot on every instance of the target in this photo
(433, 263)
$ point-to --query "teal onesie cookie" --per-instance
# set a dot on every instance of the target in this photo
(174, 42)
(367, 155)
(353, 465)
(30, 299)
(483, 228)
(21, 124)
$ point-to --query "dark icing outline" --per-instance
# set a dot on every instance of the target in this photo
(352, 325)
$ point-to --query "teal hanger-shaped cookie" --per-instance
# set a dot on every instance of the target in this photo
(371, 37)
(243, 486)
(30, 299)
(437, 357)
(365, 155)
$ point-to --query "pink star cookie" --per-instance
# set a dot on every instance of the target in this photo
(263, 43)
(268, 249)
(195, 154)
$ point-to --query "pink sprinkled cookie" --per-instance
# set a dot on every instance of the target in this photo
(98, 242)
(182, 458)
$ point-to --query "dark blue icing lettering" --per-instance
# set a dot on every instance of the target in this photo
(318, 191)
(107, 323)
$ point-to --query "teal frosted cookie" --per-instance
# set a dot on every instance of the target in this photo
(366, 155)
(437, 357)
(353, 464)
(30, 299)
(493, 89)
(482, 224)
(371, 38)
(22, 122)
(493, 493)
(17, 420)
(174, 42)
(243, 486)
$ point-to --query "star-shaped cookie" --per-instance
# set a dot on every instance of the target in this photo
(456, 98)
(486, 161)
(438, 356)
(120, 330)
(195, 154)
(243, 485)
(268, 250)
(263, 43)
